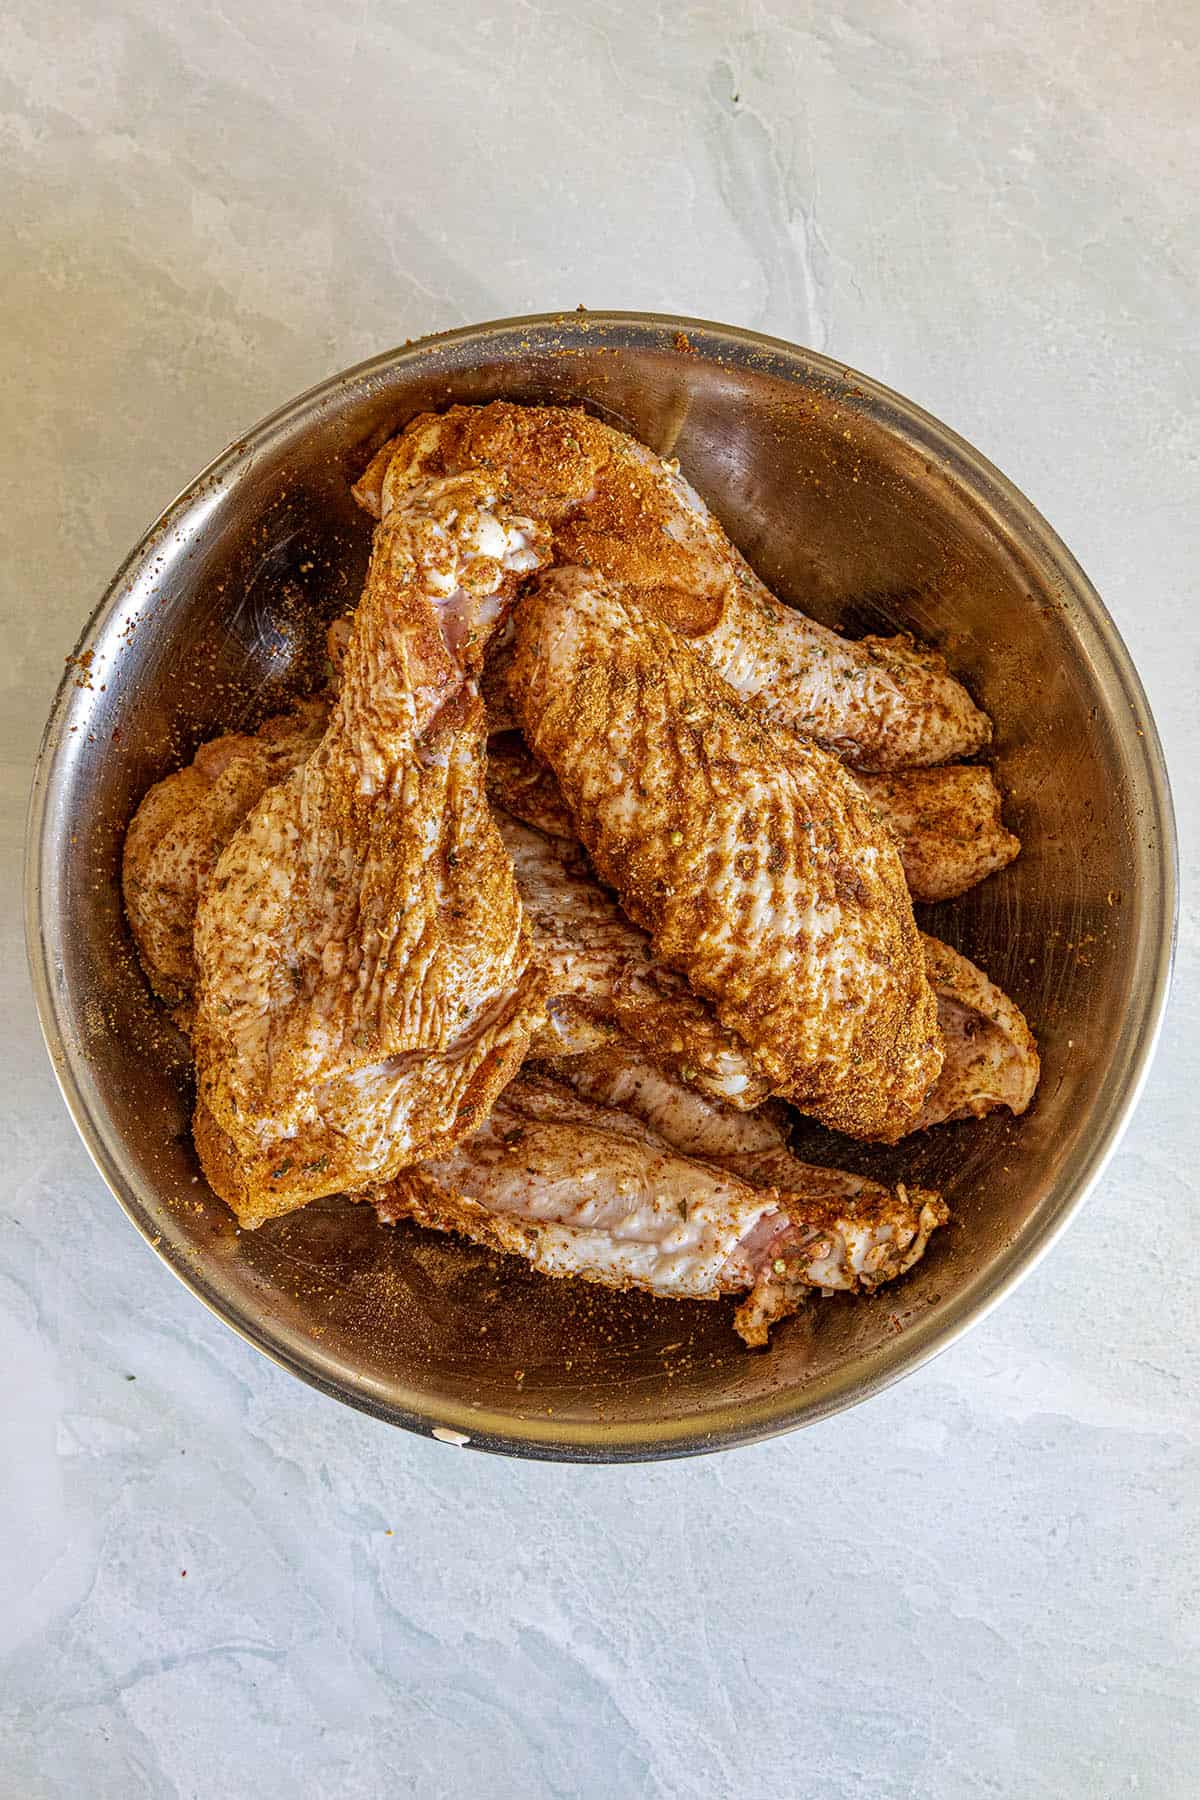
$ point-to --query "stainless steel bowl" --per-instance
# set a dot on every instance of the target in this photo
(849, 501)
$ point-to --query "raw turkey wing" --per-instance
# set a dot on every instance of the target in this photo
(591, 1192)
(366, 979)
(748, 854)
(616, 507)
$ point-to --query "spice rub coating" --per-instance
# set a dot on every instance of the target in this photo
(747, 853)
(593, 1192)
(614, 506)
(605, 978)
(946, 823)
(366, 976)
(185, 821)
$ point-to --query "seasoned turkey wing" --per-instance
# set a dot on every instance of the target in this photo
(366, 977)
(586, 1191)
(991, 1057)
(602, 970)
(747, 853)
(607, 984)
(616, 507)
(946, 822)
(604, 976)
(947, 825)
(183, 824)
(872, 1233)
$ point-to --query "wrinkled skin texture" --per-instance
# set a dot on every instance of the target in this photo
(589, 1191)
(185, 821)
(862, 1233)
(616, 507)
(366, 981)
(604, 977)
(748, 854)
(947, 827)
(946, 822)
(989, 1056)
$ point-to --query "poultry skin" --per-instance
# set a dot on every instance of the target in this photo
(366, 983)
(990, 1059)
(946, 822)
(947, 825)
(875, 1233)
(604, 977)
(614, 506)
(746, 852)
(583, 1190)
(869, 701)
(184, 823)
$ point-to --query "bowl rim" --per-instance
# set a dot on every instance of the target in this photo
(725, 1425)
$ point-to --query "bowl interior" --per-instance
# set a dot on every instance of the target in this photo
(851, 504)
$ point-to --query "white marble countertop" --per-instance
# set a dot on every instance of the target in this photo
(982, 1583)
